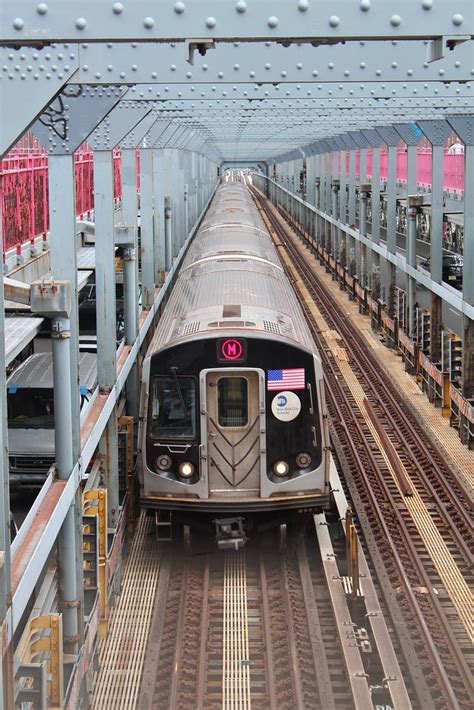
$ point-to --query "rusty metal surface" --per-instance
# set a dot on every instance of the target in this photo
(410, 563)
(24, 190)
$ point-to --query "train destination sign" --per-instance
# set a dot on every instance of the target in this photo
(231, 350)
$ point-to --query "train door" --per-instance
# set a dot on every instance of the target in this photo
(234, 431)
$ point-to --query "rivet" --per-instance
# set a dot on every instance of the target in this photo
(427, 4)
(283, 74)
(395, 20)
(42, 8)
(179, 8)
(205, 67)
(364, 5)
(134, 67)
(81, 23)
(268, 67)
(211, 22)
(273, 21)
(347, 72)
(303, 5)
(173, 67)
(110, 67)
(148, 22)
(410, 72)
(18, 23)
(236, 67)
(425, 65)
(441, 72)
(378, 72)
(299, 66)
(221, 75)
(334, 21)
(98, 75)
(84, 68)
(457, 64)
(331, 65)
(251, 74)
(394, 65)
(315, 72)
(241, 6)
(189, 75)
(458, 19)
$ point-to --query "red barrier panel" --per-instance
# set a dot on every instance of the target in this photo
(24, 190)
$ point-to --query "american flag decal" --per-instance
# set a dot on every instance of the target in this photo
(292, 379)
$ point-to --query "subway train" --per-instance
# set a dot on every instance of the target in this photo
(233, 424)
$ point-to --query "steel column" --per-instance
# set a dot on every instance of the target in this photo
(413, 204)
(68, 540)
(106, 316)
(130, 219)
(105, 268)
(365, 189)
(168, 231)
(6, 665)
(146, 228)
(159, 213)
(63, 250)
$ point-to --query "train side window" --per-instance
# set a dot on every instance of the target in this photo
(167, 418)
(232, 402)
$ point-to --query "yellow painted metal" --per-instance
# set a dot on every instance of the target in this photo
(49, 649)
(126, 427)
(446, 410)
(95, 503)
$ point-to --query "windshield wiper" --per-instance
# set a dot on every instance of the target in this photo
(174, 371)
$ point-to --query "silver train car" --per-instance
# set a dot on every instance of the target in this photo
(233, 418)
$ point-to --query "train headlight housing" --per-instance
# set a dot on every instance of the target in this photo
(186, 469)
(281, 469)
(303, 459)
(163, 462)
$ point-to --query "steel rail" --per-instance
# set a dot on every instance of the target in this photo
(269, 662)
(429, 641)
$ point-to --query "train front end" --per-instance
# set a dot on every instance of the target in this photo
(235, 426)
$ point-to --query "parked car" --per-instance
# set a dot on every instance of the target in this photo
(30, 401)
(453, 264)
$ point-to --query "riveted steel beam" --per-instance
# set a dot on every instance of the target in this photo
(145, 20)
(38, 73)
(241, 62)
(328, 90)
(73, 115)
(114, 127)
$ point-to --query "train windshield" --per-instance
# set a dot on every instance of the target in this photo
(172, 413)
(31, 408)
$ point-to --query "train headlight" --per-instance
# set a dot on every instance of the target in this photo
(186, 469)
(281, 468)
(303, 459)
(163, 462)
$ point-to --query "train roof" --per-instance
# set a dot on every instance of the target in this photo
(37, 371)
(232, 280)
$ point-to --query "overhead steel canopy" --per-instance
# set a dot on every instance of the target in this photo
(24, 21)
(251, 78)
(241, 62)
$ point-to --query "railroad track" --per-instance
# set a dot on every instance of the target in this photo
(236, 630)
(386, 454)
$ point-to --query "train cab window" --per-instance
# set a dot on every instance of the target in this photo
(31, 408)
(172, 413)
(232, 400)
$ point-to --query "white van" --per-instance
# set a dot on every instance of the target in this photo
(30, 398)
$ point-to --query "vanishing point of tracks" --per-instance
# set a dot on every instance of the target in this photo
(232, 630)
(409, 502)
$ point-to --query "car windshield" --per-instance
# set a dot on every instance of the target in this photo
(167, 418)
(31, 409)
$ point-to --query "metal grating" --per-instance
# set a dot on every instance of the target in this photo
(122, 651)
(271, 326)
(191, 328)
